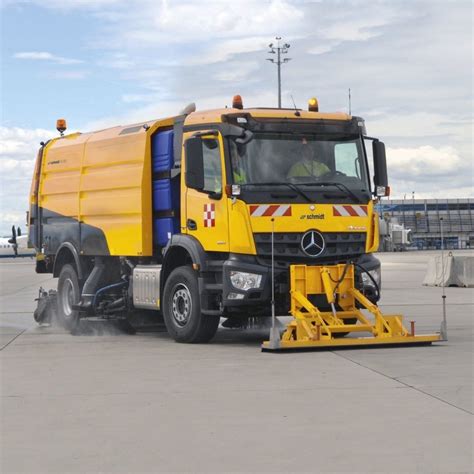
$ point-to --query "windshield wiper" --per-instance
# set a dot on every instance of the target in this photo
(342, 187)
(289, 185)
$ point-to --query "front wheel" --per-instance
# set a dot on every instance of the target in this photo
(69, 294)
(182, 308)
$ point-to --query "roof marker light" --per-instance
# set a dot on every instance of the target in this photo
(61, 126)
(313, 105)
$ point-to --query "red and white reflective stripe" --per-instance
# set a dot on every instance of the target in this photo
(270, 210)
(344, 210)
(209, 215)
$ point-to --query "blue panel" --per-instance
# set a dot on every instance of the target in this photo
(162, 151)
(166, 194)
(163, 229)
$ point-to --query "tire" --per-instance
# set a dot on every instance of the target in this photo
(182, 308)
(69, 294)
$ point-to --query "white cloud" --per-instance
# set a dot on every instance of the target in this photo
(357, 29)
(117, 61)
(8, 165)
(430, 172)
(237, 71)
(424, 162)
(64, 4)
(46, 56)
(211, 34)
(323, 47)
(68, 75)
(225, 19)
(18, 149)
(16, 142)
(225, 49)
(133, 98)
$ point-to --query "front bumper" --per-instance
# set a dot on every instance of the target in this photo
(261, 297)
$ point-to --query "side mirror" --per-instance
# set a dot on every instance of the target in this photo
(194, 175)
(380, 168)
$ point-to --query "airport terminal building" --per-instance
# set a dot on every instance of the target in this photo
(424, 218)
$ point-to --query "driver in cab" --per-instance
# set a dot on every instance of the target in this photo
(308, 165)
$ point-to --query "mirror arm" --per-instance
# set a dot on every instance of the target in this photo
(245, 138)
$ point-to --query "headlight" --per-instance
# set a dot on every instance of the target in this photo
(376, 275)
(245, 281)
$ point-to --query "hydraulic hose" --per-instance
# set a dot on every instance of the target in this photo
(364, 270)
(105, 289)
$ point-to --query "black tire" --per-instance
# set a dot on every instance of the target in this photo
(182, 308)
(69, 293)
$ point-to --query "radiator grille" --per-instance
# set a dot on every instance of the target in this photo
(339, 246)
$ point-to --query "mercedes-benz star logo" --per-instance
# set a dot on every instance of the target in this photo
(312, 243)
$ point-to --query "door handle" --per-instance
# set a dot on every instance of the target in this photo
(191, 224)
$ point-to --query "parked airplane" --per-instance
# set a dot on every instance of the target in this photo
(16, 245)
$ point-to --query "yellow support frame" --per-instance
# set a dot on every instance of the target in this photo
(314, 328)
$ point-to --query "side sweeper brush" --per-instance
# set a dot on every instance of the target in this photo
(312, 328)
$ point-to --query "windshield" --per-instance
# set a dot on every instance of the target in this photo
(310, 161)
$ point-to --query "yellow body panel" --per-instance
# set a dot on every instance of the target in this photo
(303, 218)
(215, 115)
(103, 179)
(194, 204)
(240, 228)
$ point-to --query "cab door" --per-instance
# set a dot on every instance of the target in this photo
(205, 216)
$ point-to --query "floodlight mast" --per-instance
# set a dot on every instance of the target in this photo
(279, 50)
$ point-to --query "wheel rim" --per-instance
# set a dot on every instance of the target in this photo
(68, 297)
(181, 305)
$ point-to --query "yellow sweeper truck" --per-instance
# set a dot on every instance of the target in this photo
(219, 213)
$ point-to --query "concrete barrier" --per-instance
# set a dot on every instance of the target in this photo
(458, 271)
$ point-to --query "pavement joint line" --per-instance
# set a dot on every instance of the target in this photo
(16, 337)
(403, 383)
(24, 288)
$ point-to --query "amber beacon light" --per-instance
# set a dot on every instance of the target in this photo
(237, 102)
(313, 105)
(61, 126)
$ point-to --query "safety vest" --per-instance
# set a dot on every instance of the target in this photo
(239, 176)
(308, 168)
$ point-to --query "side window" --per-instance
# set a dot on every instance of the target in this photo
(346, 158)
(212, 166)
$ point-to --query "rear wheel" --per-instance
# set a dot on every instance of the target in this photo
(69, 294)
(182, 308)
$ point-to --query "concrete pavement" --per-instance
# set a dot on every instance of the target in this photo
(143, 403)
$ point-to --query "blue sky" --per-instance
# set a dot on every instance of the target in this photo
(105, 62)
